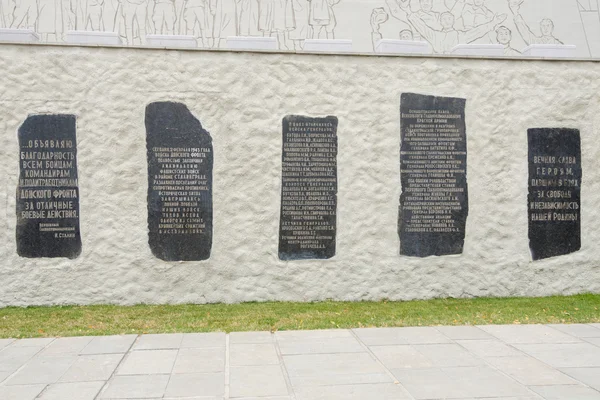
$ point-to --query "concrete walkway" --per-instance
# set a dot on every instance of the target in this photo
(553, 362)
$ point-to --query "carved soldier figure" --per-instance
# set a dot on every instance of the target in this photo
(135, 14)
(25, 14)
(276, 16)
(93, 19)
(225, 21)
(248, 25)
(164, 17)
(322, 17)
(197, 13)
(301, 29)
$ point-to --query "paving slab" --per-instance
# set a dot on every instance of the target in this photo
(158, 342)
(390, 336)
(11, 358)
(191, 361)
(448, 355)
(566, 392)
(190, 385)
(332, 364)
(109, 344)
(262, 398)
(148, 362)
(464, 333)
(95, 367)
(252, 354)
(250, 337)
(282, 336)
(21, 392)
(578, 330)
(135, 387)
(379, 391)
(256, 381)
(320, 346)
(459, 383)
(33, 342)
(589, 376)
(5, 342)
(327, 379)
(72, 391)
(529, 371)
(489, 348)
(41, 370)
(203, 340)
(401, 356)
(4, 375)
(594, 341)
(564, 355)
(65, 346)
(528, 334)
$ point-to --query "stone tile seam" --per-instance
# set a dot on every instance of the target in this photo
(286, 376)
(546, 325)
(173, 366)
(527, 387)
(389, 373)
(575, 379)
(227, 368)
(25, 363)
(582, 340)
(125, 356)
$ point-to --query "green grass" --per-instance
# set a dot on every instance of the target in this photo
(107, 320)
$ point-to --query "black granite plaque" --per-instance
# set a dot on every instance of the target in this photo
(307, 225)
(433, 170)
(180, 164)
(48, 194)
(554, 192)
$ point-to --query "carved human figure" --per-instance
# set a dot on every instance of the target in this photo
(179, 16)
(546, 27)
(225, 21)
(322, 18)
(93, 19)
(425, 13)
(50, 25)
(378, 17)
(444, 40)
(476, 14)
(135, 14)
(6, 13)
(301, 30)
(197, 14)
(248, 18)
(504, 36)
(25, 14)
(112, 16)
(276, 17)
(164, 17)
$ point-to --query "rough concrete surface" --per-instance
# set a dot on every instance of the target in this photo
(241, 98)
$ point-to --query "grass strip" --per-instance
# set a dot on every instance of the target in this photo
(16, 322)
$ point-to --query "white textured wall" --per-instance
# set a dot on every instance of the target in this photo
(241, 98)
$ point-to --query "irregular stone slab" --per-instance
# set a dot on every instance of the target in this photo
(554, 201)
(433, 169)
(307, 225)
(180, 165)
(48, 193)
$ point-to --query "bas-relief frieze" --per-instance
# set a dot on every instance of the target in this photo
(514, 24)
